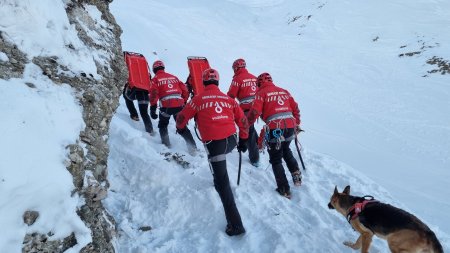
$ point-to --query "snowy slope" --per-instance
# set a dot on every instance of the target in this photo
(185, 212)
(371, 121)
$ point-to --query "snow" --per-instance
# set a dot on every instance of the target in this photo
(42, 29)
(92, 23)
(39, 120)
(258, 3)
(3, 57)
(371, 121)
(96, 15)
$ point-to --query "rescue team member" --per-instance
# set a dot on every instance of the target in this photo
(281, 114)
(140, 93)
(217, 116)
(172, 95)
(243, 87)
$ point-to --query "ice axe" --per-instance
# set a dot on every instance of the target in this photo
(239, 171)
(298, 150)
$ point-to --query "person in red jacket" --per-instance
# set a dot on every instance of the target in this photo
(217, 115)
(281, 114)
(243, 88)
(172, 95)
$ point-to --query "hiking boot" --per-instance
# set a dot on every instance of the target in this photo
(192, 150)
(134, 117)
(165, 140)
(297, 178)
(283, 192)
(256, 164)
(234, 230)
(164, 137)
(149, 129)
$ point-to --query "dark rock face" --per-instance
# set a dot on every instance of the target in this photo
(39, 243)
(29, 217)
(17, 60)
(98, 94)
(441, 66)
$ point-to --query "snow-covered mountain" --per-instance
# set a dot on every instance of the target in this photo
(375, 111)
(371, 79)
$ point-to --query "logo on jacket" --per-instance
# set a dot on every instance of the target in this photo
(280, 101)
(218, 108)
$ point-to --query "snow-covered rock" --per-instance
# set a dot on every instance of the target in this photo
(61, 73)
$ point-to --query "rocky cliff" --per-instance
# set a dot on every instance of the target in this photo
(98, 94)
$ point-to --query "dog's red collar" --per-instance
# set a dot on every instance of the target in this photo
(358, 207)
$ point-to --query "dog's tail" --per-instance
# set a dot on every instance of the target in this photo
(437, 247)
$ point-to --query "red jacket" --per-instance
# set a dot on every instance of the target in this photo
(168, 89)
(276, 106)
(216, 115)
(243, 87)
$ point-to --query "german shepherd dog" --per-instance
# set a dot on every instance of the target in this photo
(403, 231)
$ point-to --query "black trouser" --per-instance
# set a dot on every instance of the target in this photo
(217, 151)
(164, 118)
(253, 152)
(142, 97)
(285, 153)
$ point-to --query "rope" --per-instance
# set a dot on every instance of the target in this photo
(196, 133)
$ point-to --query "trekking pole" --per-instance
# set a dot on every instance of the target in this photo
(239, 171)
(298, 151)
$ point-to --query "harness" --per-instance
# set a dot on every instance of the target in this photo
(219, 157)
(359, 206)
(281, 115)
(278, 132)
(171, 96)
(247, 100)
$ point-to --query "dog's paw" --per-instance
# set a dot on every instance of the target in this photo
(349, 244)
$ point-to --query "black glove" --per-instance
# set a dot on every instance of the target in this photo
(298, 130)
(242, 145)
(153, 112)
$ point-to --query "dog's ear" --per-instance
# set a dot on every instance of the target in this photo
(335, 190)
(347, 190)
